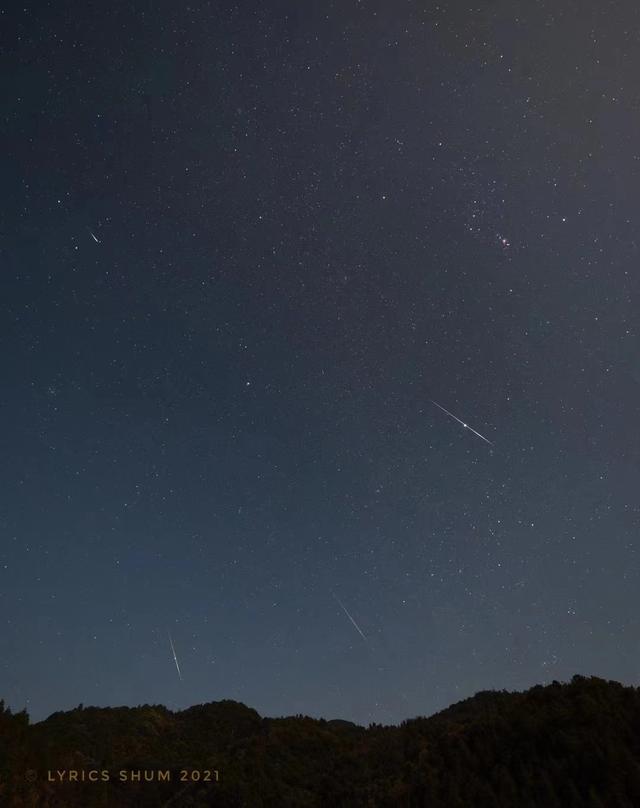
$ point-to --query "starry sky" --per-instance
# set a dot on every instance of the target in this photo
(244, 249)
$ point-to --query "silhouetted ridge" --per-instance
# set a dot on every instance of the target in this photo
(559, 746)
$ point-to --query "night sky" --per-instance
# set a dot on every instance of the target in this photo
(244, 248)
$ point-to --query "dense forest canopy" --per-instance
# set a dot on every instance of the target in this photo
(558, 746)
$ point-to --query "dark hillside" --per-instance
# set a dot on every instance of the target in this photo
(559, 746)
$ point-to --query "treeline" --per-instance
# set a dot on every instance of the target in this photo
(559, 746)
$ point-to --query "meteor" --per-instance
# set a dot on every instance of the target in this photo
(466, 426)
(175, 658)
(344, 609)
(94, 237)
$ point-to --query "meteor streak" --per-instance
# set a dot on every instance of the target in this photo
(344, 609)
(175, 658)
(466, 426)
(94, 237)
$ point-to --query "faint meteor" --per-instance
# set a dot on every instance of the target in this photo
(466, 426)
(345, 610)
(94, 237)
(175, 658)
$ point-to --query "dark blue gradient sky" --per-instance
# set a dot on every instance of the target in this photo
(311, 220)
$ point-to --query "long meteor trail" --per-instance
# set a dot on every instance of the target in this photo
(466, 426)
(345, 610)
(175, 658)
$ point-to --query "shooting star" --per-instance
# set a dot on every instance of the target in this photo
(94, 237)
(344, 609)
(466, 426)
(175, 658)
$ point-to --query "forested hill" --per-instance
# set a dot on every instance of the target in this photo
(559, 746)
